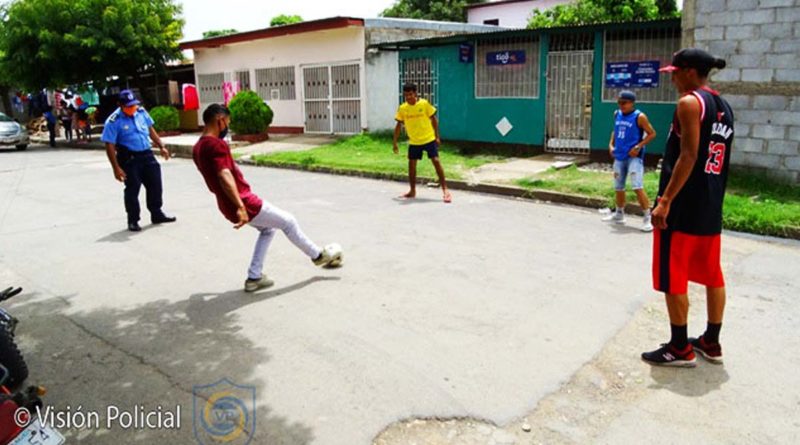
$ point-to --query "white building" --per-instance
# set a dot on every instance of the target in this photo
(508, 13)
(317, 76)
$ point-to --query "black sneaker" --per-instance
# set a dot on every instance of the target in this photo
(668, 355)
(134, 227)
(710, 351)
(163, 219)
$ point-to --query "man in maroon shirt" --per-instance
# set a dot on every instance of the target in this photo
(212, 156)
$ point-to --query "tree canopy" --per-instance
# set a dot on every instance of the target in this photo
(218, 33)
(444, 10)
(598, 11)
(51, 43)
(283, 19)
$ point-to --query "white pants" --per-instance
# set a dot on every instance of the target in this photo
(267, 222)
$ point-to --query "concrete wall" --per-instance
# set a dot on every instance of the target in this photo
(383, 80)
(383, 67)
(298, 50)
(760, 39)
(511, 15)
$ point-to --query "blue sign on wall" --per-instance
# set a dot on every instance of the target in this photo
(466, 53)
(506, 58)
(632, 74)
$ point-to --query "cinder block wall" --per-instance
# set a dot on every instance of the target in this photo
(760, 39)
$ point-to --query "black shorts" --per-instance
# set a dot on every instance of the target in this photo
(415, 151)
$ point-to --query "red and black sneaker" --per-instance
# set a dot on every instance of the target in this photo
(668, 355)
(710, 351)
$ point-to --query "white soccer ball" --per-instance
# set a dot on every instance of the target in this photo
(334, 250)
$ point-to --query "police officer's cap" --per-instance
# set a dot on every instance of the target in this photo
(127, 98)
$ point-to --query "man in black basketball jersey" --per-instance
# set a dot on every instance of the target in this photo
(688, 211)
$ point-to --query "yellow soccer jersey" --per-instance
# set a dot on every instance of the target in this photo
(417, 119)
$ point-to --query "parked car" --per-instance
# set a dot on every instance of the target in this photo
(12, 133)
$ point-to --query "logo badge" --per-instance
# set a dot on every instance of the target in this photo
(224, 413)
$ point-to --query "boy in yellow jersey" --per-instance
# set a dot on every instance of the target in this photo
(422, 127)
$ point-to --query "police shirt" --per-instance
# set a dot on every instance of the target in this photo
(129, 132)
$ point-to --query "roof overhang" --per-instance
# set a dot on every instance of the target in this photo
(277, 31)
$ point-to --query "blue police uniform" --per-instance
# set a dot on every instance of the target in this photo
(131, 137)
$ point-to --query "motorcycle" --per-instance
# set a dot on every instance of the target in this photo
(19, 407)
(10, 357)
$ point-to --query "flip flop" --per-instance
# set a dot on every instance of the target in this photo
(448, 198)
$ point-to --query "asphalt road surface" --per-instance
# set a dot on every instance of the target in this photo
(486, 309)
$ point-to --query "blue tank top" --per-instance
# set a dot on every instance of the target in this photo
(626, 134)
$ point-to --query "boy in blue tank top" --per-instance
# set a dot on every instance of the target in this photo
(632, 133)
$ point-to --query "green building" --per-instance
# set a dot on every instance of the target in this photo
(550, 90)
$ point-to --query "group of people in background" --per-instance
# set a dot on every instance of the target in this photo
(76, 116)
(63, 109)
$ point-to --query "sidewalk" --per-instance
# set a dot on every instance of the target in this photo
(514, 168)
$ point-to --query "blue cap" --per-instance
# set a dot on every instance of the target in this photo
(127, 98)
(627, 95)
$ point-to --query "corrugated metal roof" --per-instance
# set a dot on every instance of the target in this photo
(509, 32)
(428, 25)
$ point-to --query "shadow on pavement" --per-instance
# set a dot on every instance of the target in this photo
(624, 229)
(203, 306)
(407, 201)
(696, 382)
(151, 355)
(124, 235)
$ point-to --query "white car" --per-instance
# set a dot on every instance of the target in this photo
(12, 133)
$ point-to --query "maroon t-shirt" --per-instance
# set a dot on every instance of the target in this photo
(212, 155)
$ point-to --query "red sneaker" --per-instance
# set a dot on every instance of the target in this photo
(710, 351)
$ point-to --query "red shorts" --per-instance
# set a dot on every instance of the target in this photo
(680, 257)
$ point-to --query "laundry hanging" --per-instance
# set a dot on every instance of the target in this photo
(191, 101)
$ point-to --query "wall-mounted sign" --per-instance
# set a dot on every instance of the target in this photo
(506, 58)
(632, 74)
(466, 53)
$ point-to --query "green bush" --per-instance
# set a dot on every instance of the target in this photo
(249, 114)
(165, 118)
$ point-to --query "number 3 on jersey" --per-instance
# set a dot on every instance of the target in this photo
(716, 157)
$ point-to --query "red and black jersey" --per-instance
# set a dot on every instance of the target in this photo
(697, 208)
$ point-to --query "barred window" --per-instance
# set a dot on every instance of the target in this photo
(643, 45)
(423, 73)
(210, 87)
(507, 68)
(276, 83)
(244, 79)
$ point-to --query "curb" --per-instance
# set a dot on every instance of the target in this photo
(510, 191)
(492, 189)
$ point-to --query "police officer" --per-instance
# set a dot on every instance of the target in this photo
(127, 135)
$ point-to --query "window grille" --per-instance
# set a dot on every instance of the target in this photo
(244, 79)
(276, 83)
(422, 72)
(507, 68)
(210, 87)
(638, 46)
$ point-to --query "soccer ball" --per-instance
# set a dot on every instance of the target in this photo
(334, 251)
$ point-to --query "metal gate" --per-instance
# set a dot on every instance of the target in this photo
(424, 74)
(332, 98)
(569, 101)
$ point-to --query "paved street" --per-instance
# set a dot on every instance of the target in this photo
(491, 309)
